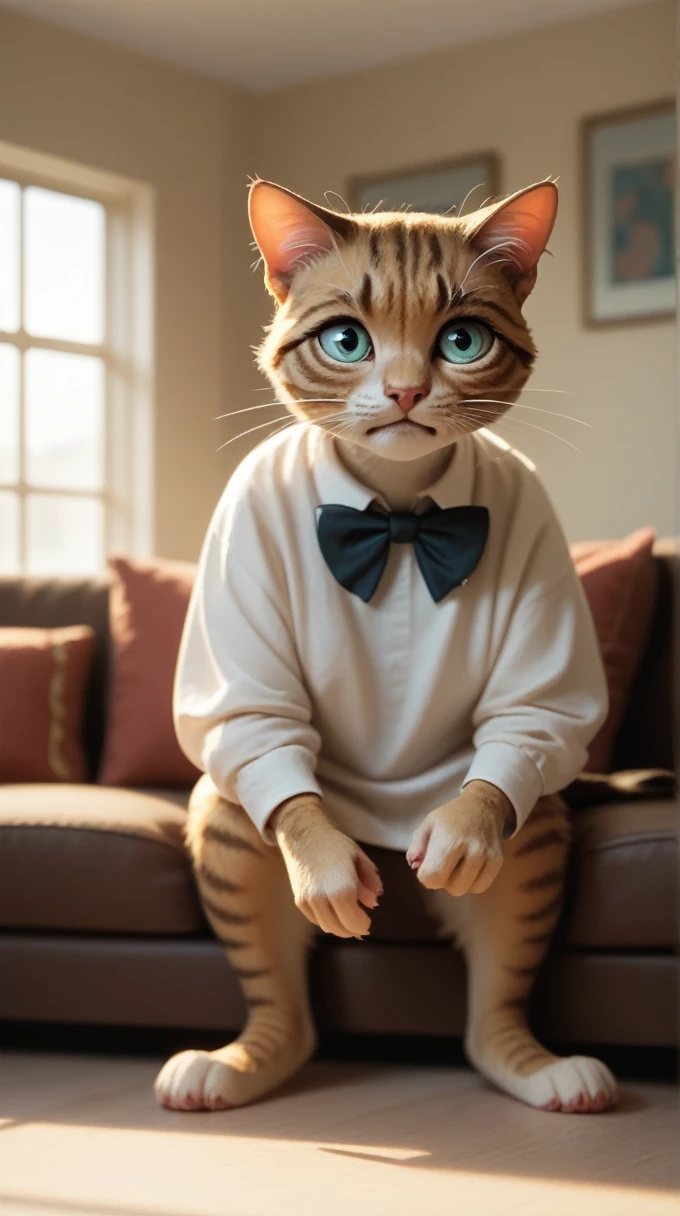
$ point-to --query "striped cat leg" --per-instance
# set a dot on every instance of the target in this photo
(246, 896)
(505, 934)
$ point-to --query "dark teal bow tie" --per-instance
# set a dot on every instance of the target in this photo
(448, 545)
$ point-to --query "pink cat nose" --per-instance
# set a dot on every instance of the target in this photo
(406, 398)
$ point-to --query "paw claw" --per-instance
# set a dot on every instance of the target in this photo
(576, 1085)
(578, 1105)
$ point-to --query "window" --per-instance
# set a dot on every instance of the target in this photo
(75, 367)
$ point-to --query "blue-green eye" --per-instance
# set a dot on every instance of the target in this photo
(464, 341)
(346, 341)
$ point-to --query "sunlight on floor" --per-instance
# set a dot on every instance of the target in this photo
(93, 1170)
(82, 1136)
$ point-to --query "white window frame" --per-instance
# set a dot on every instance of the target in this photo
(127, 350)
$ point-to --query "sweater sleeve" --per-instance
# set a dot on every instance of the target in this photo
(546, 696)
(241, 710)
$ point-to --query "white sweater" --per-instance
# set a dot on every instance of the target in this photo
(287, 683)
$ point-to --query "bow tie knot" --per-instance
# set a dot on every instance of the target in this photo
(448, 545)
(403, 527)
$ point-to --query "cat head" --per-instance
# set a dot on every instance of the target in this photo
(399, 331)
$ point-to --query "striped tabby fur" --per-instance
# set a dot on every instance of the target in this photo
(402, 276)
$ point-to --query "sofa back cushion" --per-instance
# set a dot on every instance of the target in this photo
(644, 740)
(620, 580)
(646, 736)
(53, 603)
(43, 679)
(147, 605)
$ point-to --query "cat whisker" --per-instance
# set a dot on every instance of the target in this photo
(534, 427)
(467, 196)
(270, 405)
(499, 262)
(519, 404)
(342, 200)
(286, 426)
(483, 417)
(342, 435)
(242, 434)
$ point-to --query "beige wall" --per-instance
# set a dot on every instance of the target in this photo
(524, 97)
(79, 99)
(195, 143)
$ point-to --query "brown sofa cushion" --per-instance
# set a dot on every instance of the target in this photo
(86, 859)
(622, 890)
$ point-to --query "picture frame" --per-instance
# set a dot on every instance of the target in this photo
(628, 175)
(435, 188)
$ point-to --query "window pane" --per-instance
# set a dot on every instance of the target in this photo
(10, 203)
(63, 535)
(9, 533)
(64, 276)
(64, 397)
(9, 413)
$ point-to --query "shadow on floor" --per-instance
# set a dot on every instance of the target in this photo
(402, 1102)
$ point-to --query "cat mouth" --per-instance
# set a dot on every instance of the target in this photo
(404, 425)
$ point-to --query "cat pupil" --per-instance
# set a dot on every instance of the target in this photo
(349, 340)
(462, 339)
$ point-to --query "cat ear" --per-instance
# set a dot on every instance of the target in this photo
(289, 231)
(518, 228)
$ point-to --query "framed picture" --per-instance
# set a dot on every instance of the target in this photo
(629, 179)
(435, 188)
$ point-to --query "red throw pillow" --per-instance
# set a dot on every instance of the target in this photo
(148, 603)
(43, 682)
(620, 582)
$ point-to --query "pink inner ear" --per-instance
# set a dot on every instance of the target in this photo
(287, 233)
(301, 240)
(521, 230)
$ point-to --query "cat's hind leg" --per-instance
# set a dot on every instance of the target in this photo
(246, 896)
(505, 934)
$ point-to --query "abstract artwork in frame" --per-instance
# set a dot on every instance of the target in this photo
(437, 189)
(629, 186)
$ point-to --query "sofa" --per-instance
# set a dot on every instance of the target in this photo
(100, 922)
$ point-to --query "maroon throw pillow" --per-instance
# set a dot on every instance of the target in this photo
(148, 603)
(43, 683)
(620, 583)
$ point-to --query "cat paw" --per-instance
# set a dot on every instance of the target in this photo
(577, 1085)
(233, 1076)
(193, 1080)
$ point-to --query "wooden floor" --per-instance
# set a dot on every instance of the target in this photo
(82, 1136)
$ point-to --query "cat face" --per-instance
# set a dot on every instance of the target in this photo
(399, 332)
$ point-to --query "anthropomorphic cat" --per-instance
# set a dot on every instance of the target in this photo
(387, 642)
